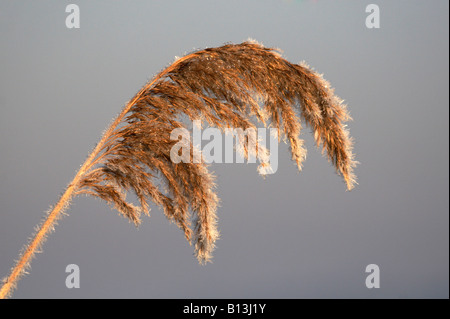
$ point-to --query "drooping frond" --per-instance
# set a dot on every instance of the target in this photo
(225, 87)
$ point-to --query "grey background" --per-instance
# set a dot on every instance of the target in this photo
(293, 235)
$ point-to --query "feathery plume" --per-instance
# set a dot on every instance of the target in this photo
(225, 87)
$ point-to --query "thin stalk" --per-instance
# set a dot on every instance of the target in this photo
(219, 86)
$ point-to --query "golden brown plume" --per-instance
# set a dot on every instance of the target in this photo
(225, 87)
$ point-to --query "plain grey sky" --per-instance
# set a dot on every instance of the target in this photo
(292, 235)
